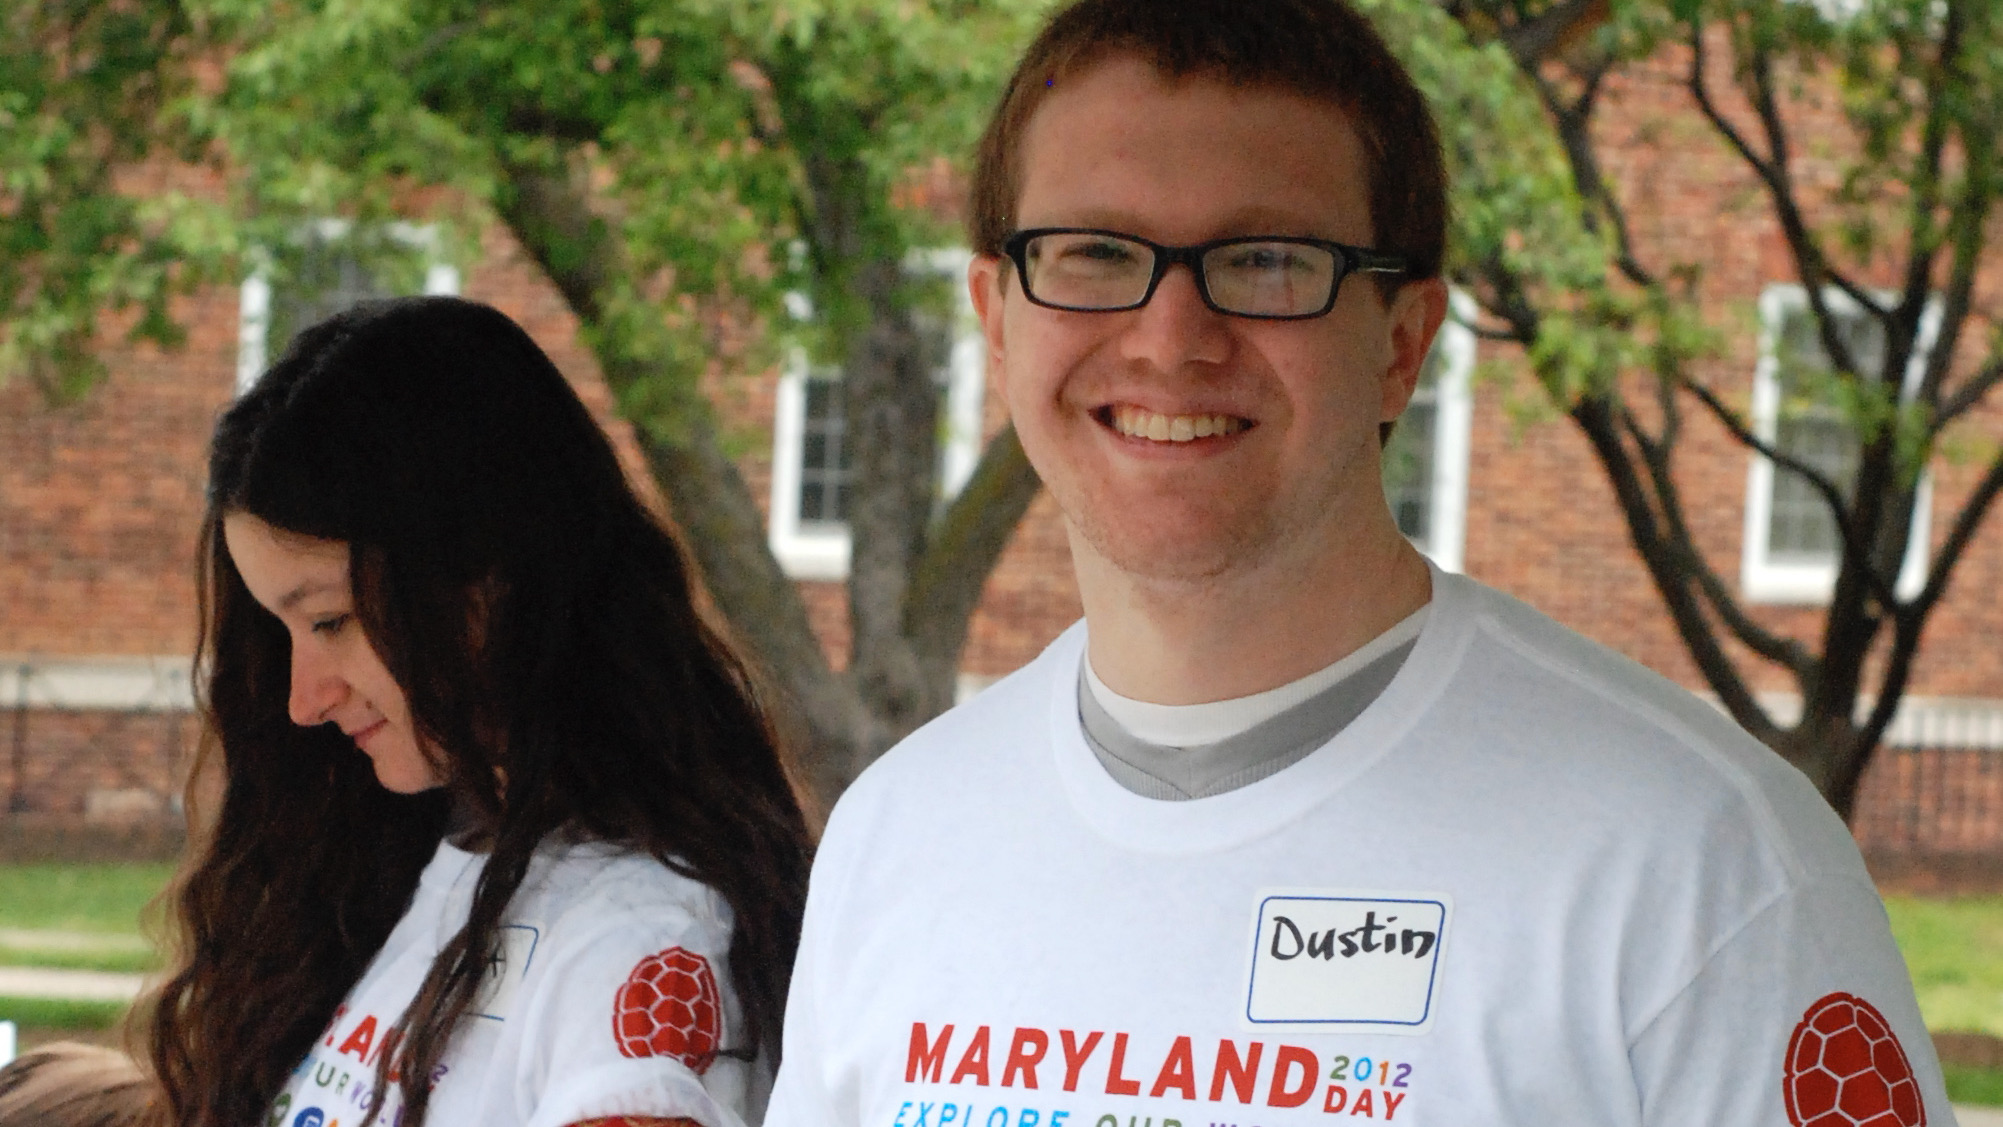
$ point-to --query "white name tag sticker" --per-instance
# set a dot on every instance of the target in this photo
(514, 949)
(1347, 959)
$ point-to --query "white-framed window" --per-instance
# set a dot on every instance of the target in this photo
(808, 529)
(328, 277)
(1792, 549)
(1425, 463)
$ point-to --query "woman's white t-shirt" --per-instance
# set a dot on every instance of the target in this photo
(607, 994)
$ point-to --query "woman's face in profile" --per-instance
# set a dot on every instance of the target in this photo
(337, 677)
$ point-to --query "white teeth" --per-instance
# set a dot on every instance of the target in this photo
(1136, 423)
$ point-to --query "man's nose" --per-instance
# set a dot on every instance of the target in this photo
(1175, 327)
(316, 688)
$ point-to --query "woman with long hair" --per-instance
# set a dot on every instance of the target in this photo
(501, 835)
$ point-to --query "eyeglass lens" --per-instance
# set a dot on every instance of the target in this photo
(1262, 279)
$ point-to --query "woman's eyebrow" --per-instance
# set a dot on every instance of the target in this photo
(310, 587)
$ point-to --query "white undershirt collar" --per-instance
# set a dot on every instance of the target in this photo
(1194, 725)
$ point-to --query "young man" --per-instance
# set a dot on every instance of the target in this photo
(1296, 827)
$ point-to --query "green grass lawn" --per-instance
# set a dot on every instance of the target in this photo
(79, 917)
(101, 898)
(1954, 949)
(58, 1013)
(1970, 1085)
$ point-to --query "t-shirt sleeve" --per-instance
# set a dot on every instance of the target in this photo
(633, 1014)
(800, 1097)
(804, 1094)
(1805, 1010)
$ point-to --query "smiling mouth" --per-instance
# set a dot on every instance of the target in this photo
(363, 733)
(1136, 422)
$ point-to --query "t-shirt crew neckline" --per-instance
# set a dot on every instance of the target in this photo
(1221, 820)
(448, 866)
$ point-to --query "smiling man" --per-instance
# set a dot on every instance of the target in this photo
(1294, 825)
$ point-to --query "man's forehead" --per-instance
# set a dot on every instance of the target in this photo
(1147, 85)
(1120, 137)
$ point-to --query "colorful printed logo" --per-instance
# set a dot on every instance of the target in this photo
(311, 1117)
(1846, 1068)
(669, 1007)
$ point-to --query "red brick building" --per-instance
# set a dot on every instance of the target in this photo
(99, 503)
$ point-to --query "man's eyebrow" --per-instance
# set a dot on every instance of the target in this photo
(293, 597)
(1257, 219)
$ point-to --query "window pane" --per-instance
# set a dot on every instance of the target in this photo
(824, 466)
(1801, 350)
(1802, 529)
(1408, 471)
(1812, 428)
(325, 279)
(822, 402)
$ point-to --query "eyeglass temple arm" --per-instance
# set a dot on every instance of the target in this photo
(1371, 262)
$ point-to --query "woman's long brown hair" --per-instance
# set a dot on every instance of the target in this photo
(544, 627)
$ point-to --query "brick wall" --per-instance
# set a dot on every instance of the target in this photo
(1931, 801)
(1541, 517)
(104, 766)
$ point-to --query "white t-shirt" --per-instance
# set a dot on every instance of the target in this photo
(1533, 883)
(607, 994)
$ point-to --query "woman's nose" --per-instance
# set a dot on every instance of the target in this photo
(316, 688)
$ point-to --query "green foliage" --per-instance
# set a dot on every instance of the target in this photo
(1516, 212)
(1916, 172)
(733, 150)
(85, 90)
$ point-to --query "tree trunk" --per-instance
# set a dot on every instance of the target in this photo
(914, 582)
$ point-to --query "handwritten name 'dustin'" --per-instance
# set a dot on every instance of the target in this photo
(1289, 943)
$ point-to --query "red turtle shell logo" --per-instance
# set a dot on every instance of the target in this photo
(1846, 1068)
(669, 1008)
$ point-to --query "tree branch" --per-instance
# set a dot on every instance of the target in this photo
(1967, 223)
(1573, 123)
(1830, 495)
(1533, 40)
(1785, 652)
(947, 582)
(1596, 415)
(1959, 537)
(1926, 193)
(1971, 393)
(1810, 263)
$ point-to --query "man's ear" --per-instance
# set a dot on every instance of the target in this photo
(1416, 313)
(987, 274)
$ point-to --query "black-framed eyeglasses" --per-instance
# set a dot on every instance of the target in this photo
(1270, 277)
